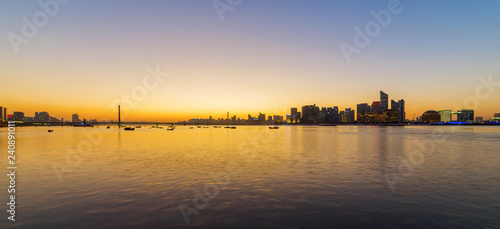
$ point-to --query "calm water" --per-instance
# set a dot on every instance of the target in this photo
(293, 177)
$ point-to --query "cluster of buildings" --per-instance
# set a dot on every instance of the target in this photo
(464, 115)
(39, 117)
(261, 119)
(377, 112)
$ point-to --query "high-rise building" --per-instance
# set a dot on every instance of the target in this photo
(18, 116)
(75, 118)
(262, 118)
(349, 113)
(466, 115)
(376, 107)
(294, 116)
(445, 115)
(278, 119)
(342, 116)
(1, 115)
(335, 115)
(400, 107)
(384, 101)
(4, 114)
(363, 108)
(309, 114)
(42, 117)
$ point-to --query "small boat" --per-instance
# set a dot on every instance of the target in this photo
(199, 126)
(191, 127)
(108, 127)
(137, 126)
(217, 126)
(170, 128)
(274, 127)
(129, 128)
(227, 127)
(160, 127)
(205, 127)
(233, 127)
(50, 130)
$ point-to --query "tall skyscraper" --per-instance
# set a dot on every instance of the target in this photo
(349, 114)
(400, 107)
(335, 115)
(309, 114)
(4, 114)
(294, 115)
(262, 118)
(1, 114)
(384, 101)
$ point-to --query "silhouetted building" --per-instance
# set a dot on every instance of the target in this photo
(431, 116)
(343, 117)
(384, 101)
(4, 117)
(335, 115)
(479, 119)
(294, 115)
(466, 115)
(309, 114)
(376, 107)
(445, 115)
(54, 119)
(42, 117)
(18, 116)
(400, 107)
(278, 119)
(363, 108)
(349, 114)
(75, 118)
(262, 118)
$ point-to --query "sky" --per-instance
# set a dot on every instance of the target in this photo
(263, 56)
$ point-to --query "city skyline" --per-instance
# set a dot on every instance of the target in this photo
(263, 57)
(360, 114)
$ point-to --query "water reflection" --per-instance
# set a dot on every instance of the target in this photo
(299, 177)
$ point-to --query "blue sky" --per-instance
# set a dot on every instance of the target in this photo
(266, 54)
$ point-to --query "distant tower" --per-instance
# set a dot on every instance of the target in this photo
(119, 119)
(384, 101)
